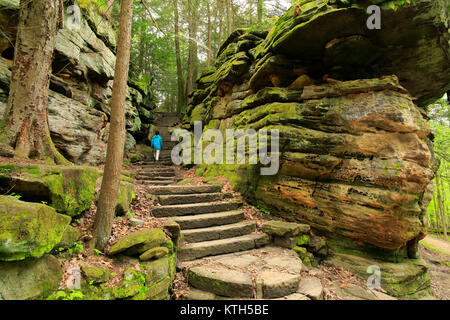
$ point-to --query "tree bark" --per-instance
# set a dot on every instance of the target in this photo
(181, 99)
(25, 125)
(260, 10)
(229, 16)
(109, 8)
(220, 28)
(116, 140)
(192, 63)
(441, 207)
(209, 35)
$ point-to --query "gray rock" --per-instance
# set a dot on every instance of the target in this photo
(311, 287)
(285, 229)
(29, 279)
(136, 222)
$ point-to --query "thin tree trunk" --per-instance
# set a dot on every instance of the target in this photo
(441, 207)
(25, 125)
(220, 28)
(229, 16)
(436, 214)
(260, 10)
(209, 35)
(192, 56)
(116, 140)
(181, 98)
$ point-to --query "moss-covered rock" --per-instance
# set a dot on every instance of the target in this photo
(303, 240)
(70, 190)
(132, 284)
(156, 270)
(154, 253)
(94, 274)
(68, 240)
(174, 230)
(140, 241)
(28, 229)
(409, 279)
(29, 279)
(125, 198)
(284, 229)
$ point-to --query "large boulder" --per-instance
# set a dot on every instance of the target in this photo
(409, 279)
(28, 229)
(70, 190)
(29, 279)
(356, 160)
(139, 242)
(413, 42)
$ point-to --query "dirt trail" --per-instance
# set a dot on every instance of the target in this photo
(438, 243)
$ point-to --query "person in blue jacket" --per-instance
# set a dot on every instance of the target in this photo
(157, 145)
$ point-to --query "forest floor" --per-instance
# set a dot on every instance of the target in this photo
(441, 244)
(433, 251)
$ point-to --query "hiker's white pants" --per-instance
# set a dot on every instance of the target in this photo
(157, 154)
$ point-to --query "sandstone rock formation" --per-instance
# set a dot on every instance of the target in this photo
(81, 84)
(356, 156)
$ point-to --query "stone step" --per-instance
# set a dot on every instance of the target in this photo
(156, 169)
(209, 219)
(274, 272)
(190, 198)
(152, 173)
(218, 232)
(152, 164)
(221, 281)
(184, 189)
(197, 208)
(156, 178)
(193, 251)
(156, 182)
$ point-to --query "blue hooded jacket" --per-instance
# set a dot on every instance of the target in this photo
(157, 142)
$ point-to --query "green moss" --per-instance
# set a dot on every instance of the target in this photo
(303, 240)
(72, 191)
(94, 275)
(28, 229)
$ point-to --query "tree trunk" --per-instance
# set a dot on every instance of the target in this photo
(441, 207)
(192, 63)
(220, 29)
(116, 140)
(25, 124)
(229, 16)
(436, 214)
(209, 35)
(109, 8)
(260, 10)
(181, 98)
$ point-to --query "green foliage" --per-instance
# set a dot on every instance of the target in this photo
(396, 4)
(17, 196)
(263, 210)
(98, 252)
(439, 113)
(5, 170)
(66, 295)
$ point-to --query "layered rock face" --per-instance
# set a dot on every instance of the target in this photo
(356, 160)
(81, 84)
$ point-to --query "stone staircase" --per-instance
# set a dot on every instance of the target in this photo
(216, 238)
(211, 223)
